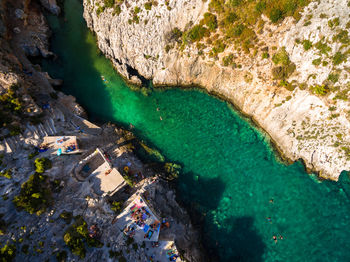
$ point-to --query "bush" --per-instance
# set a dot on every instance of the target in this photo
(316, 62)
(283, 72)
(61, 256)
(11, 101)
(109, 3)
(235, 31)
(32, 155)
(117, 206)
(320, 89)
(7, 252)
(281, 57)
(210, 21)
(35, 194)
(77, 235)
(148, 5)
(6, 173)
(333, 77)
(66, 216)
(307, 44)
(228, 60)
(100, 10)
(322, 47)
(339, 58)
(276, 15)
(196, 33)
(117, 10)
(342, 37)
(260, 6)
(265, 55)
(42, 164)
(175, 34)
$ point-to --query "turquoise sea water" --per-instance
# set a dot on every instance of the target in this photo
(230, 173)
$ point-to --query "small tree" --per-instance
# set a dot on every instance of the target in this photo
(42, 164)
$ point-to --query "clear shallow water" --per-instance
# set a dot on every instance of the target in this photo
(230, 172)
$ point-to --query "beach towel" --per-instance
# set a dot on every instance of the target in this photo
(146, 227)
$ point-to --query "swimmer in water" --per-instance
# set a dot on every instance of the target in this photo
(281, 237)
(160, 118)
(274, 238)
(158, 109)
(269, 219)
(271, 201)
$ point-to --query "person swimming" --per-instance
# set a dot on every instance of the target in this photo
(274, 238)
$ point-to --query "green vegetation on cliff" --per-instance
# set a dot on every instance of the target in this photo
(7, 252)
(35, 194)
(42, 164)
(77, 236)
(239, 20)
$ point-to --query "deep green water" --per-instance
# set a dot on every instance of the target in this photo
(230, 171)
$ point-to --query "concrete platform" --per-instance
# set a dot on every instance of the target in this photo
(63, 143)
(139, 231)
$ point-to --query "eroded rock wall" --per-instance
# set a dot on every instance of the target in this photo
(302, 124)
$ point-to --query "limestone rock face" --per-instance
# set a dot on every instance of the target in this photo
(303, 125)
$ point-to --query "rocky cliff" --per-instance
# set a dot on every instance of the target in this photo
(293, 83)
(41, 207)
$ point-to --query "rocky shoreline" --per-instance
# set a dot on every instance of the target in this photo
(304, 122)
(44, 112)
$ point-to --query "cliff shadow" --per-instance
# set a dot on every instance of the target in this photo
(235, 240)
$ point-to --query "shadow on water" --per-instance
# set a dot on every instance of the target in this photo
(245, 242)
(202, 196)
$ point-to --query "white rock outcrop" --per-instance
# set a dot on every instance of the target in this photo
(301, 124)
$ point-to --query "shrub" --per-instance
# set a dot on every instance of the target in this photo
(219, 47)
(32, 155)
(197, 33)
(260, 6)
(307, 44)
(276, 15)
(137, 10)
(109, 3)
(235, 31)
(265, 55)
(281, 57)
(342, 37)
(66, 216)
(322, 47)
(7, 252)
(117, 206)
(175, 34)
(316, 62)
(6, 173)
(77, 235)
(228, 60)
(35, 194)
(99, 10)
(61, 256)
(42, 164)
(334, 22)
(320, 89)
(339, 58)
(117, 10)
(282, 72)
(148, 5)
(333, 77)
(210, 21)
(11, 101)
